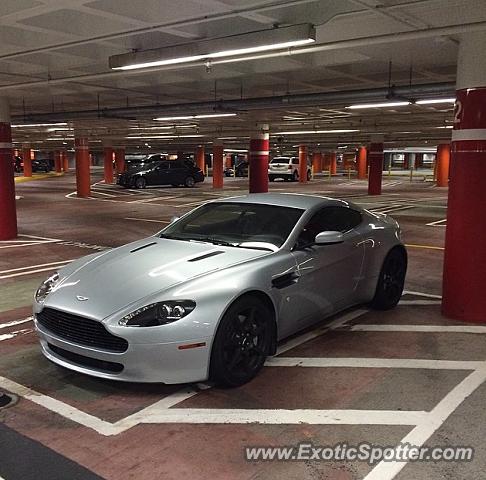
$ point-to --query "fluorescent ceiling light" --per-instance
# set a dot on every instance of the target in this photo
(192, 117)
(378, 105)
(28, 125)
(241, 44)
(234, 150)
(59, 129)
(195, 117)
(310, 132)
(435, 100)
(446, 126)
(163, 137)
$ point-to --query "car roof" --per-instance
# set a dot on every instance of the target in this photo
(295, 200)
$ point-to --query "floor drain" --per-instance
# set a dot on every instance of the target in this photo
(7, 400)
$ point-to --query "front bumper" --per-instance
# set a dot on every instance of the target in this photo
(154, 362)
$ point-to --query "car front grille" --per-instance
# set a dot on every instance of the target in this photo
(80, 330)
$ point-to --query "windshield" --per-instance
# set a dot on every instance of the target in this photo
(244, 225)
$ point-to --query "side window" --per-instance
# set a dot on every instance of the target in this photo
(340, 219)
(163, 165)
(295, 161)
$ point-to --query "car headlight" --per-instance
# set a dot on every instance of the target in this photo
(46, 287)
(160, 313)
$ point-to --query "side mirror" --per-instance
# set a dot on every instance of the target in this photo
(329, 238)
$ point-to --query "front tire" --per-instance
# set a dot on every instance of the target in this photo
(391, 280)
(242, 342)
(295, 177)
(140, 182)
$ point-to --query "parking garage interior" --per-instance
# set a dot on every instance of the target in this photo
(376, 102)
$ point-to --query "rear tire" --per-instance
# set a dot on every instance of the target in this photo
(140, 182)
(391, 280)
(189, 182)
(309, 176)
(295, 177)
(242, 342)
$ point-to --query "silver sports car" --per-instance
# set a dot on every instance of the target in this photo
(212, 294)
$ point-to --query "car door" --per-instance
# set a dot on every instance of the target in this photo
(161, 173)
(328, 274)
(178, 172)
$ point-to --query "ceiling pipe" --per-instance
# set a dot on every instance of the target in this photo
(281, 101)
(342, 44)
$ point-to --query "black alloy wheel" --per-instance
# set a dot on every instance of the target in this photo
(140, 182)
(242, 342)
(189, 182)
(391, 281)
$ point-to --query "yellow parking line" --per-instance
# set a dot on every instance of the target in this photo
(37, 177)
(427, 247)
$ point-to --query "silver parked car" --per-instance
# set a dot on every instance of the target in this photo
(212, 294)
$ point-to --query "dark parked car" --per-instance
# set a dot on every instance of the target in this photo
(162, 172)
(41, 165)
(241, 170)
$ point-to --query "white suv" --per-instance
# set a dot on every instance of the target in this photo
(286, 168)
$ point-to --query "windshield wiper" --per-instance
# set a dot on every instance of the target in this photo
(214, 241)
(173, 237)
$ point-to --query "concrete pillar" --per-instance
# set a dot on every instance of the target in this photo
(463, 295)
(361, 163)
(83, 183)
(120, 159)
(218, 154)
(302, 164)
(316, 162)
(200, 162)
(108, 164)
(8, 213)
(375, 156)
(442, 161)
(27, 160)
(65, 160)
(333, 163)
(57, 161)
(258, 159)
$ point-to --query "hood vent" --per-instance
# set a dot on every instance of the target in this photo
(206, 255)
(143, 246)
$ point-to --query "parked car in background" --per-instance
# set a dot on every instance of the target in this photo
(41, 165)
(241, 169)
(158, 171)
(286, 168)
(229, 172)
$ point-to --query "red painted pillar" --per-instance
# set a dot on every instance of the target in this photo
(333, 163)
(200, 162)
(442, 161)
(65, 161)
(258, 159)
(57, 162)
(120, 160)
(302, 164)
(218, 155)
(108, 164)
(83, 184)
(8, 213)
(228, 160)
(406, 161)
(27, 159)
(465, 249)
(375, 156)
(316, 162)
(361, 163)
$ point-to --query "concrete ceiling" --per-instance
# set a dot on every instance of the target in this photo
(54, 58)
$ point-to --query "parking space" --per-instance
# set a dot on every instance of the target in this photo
(407, 375)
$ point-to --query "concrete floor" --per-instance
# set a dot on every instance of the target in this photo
(355, 378)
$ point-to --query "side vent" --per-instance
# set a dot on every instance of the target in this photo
(206, 255)
(285, 280)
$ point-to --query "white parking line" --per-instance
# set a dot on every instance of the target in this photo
(475, 329)
(32, 269)
(420, 294)
(146, 220)
(8, 336)
(15, 322)
(438, 223)
(339, 362)
(436, 418)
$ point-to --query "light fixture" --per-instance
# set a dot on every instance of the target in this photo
(311, 132)
(432, 101)
(162, 137)
(241, 44)
(446, 126)
(378, 105)
(28, 125)
(195, 117)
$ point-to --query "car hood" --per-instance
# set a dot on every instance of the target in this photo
(124, 275)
